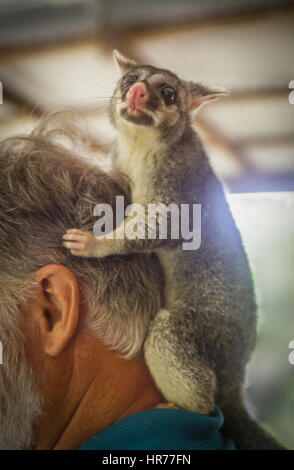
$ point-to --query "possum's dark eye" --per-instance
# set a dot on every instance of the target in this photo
(169, 95)
(128, 81)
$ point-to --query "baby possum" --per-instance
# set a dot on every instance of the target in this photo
(198, 345)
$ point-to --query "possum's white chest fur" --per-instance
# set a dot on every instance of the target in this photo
(137, 151)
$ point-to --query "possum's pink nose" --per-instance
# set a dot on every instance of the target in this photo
(137, 96)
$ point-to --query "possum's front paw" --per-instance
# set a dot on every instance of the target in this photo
(82, 243)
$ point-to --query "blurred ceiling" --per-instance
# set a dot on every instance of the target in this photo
(57, 54)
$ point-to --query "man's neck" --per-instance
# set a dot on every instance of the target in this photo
(118, 388)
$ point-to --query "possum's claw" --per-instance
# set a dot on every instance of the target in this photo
(80, 242)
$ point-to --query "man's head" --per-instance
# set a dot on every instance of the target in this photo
(53, 305)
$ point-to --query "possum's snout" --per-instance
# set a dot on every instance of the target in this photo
(137, 97)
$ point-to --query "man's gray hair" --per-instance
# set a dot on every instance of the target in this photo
(47, 187)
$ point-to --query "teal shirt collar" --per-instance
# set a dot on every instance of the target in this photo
(163, 429)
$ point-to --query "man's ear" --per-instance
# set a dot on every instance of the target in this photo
(124, 64)
(58, 311)
(200, 94)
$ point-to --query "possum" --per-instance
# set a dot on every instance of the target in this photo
(199, 343)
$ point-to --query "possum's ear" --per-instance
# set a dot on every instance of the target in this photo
(200, 94)
(124, 64)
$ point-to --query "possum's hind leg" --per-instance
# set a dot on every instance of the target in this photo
(177, 369)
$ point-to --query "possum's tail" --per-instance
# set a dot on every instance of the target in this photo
(244, 431)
